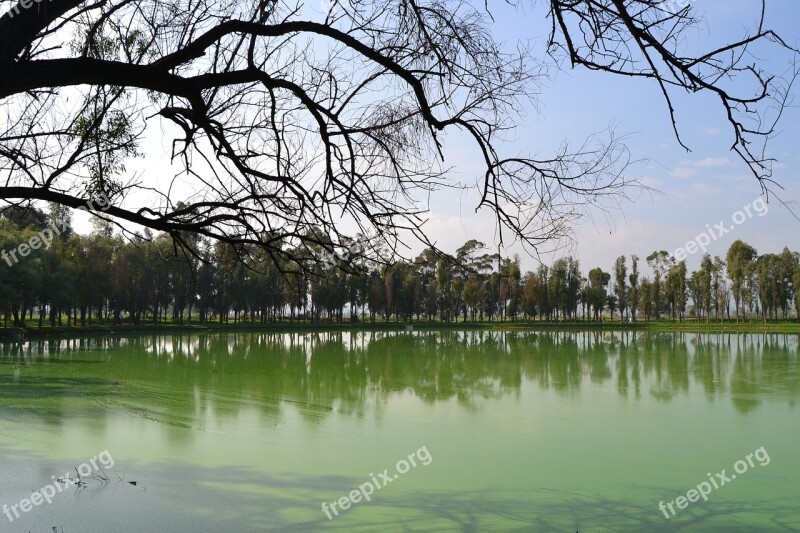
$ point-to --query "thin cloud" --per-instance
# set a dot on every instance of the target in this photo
(683, 172)
(712, 162)
(706, 191)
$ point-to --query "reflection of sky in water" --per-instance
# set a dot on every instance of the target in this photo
(530, 430)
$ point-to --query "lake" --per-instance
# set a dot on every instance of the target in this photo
(402, 431)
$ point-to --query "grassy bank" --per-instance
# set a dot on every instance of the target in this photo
(172, 328)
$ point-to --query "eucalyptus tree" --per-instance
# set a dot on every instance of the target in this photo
(739, 261)
(660, 262)
(796, 289)
(183, 268)
(509, 290)
(573, 286)
(557, 287)
(20, 281)
(444, 285)
(707, 284)
(207, 280)
(393, 278)
(376, 298)
(530, 292)
(472, 270)
(426, 267)
(411, 302)
(647, 299)
(774, 278)
(230, 283)
(766, 269)
(100, 247)
(787, 262)
(612, 303)
(695, 288)
(160, 266)
(584, 299)
(633, 279)
(543, 301)
(473, 296)
(677, 290)
(597, 295)
(719, 287)
(620, 286)
(58, 266)
(87, 281)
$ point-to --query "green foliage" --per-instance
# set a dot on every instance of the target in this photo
(740, 263)
(101, 278)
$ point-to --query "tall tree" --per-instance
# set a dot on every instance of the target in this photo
(695, 287)
(597, 295)
(660, 263)
(796, 288)
(620, 287)
(719, 288)
(676, 290)
(633, 296)
(646, 299)
(740, 260)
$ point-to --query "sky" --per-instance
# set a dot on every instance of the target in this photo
(691, 192)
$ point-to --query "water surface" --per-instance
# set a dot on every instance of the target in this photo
(521, 431)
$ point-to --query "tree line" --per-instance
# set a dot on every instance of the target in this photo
(103, 278)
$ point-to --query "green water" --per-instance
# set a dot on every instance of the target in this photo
(510, 431)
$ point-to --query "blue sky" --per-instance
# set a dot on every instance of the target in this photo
(696, 189)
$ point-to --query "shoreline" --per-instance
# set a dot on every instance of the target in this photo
(16, 333)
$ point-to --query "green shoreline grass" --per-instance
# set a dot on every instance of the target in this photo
(664, 326)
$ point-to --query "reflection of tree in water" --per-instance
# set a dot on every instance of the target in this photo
(177, 378)
(667, 361)
(766, 367)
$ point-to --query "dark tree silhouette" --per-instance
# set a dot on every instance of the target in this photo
(289, 126)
